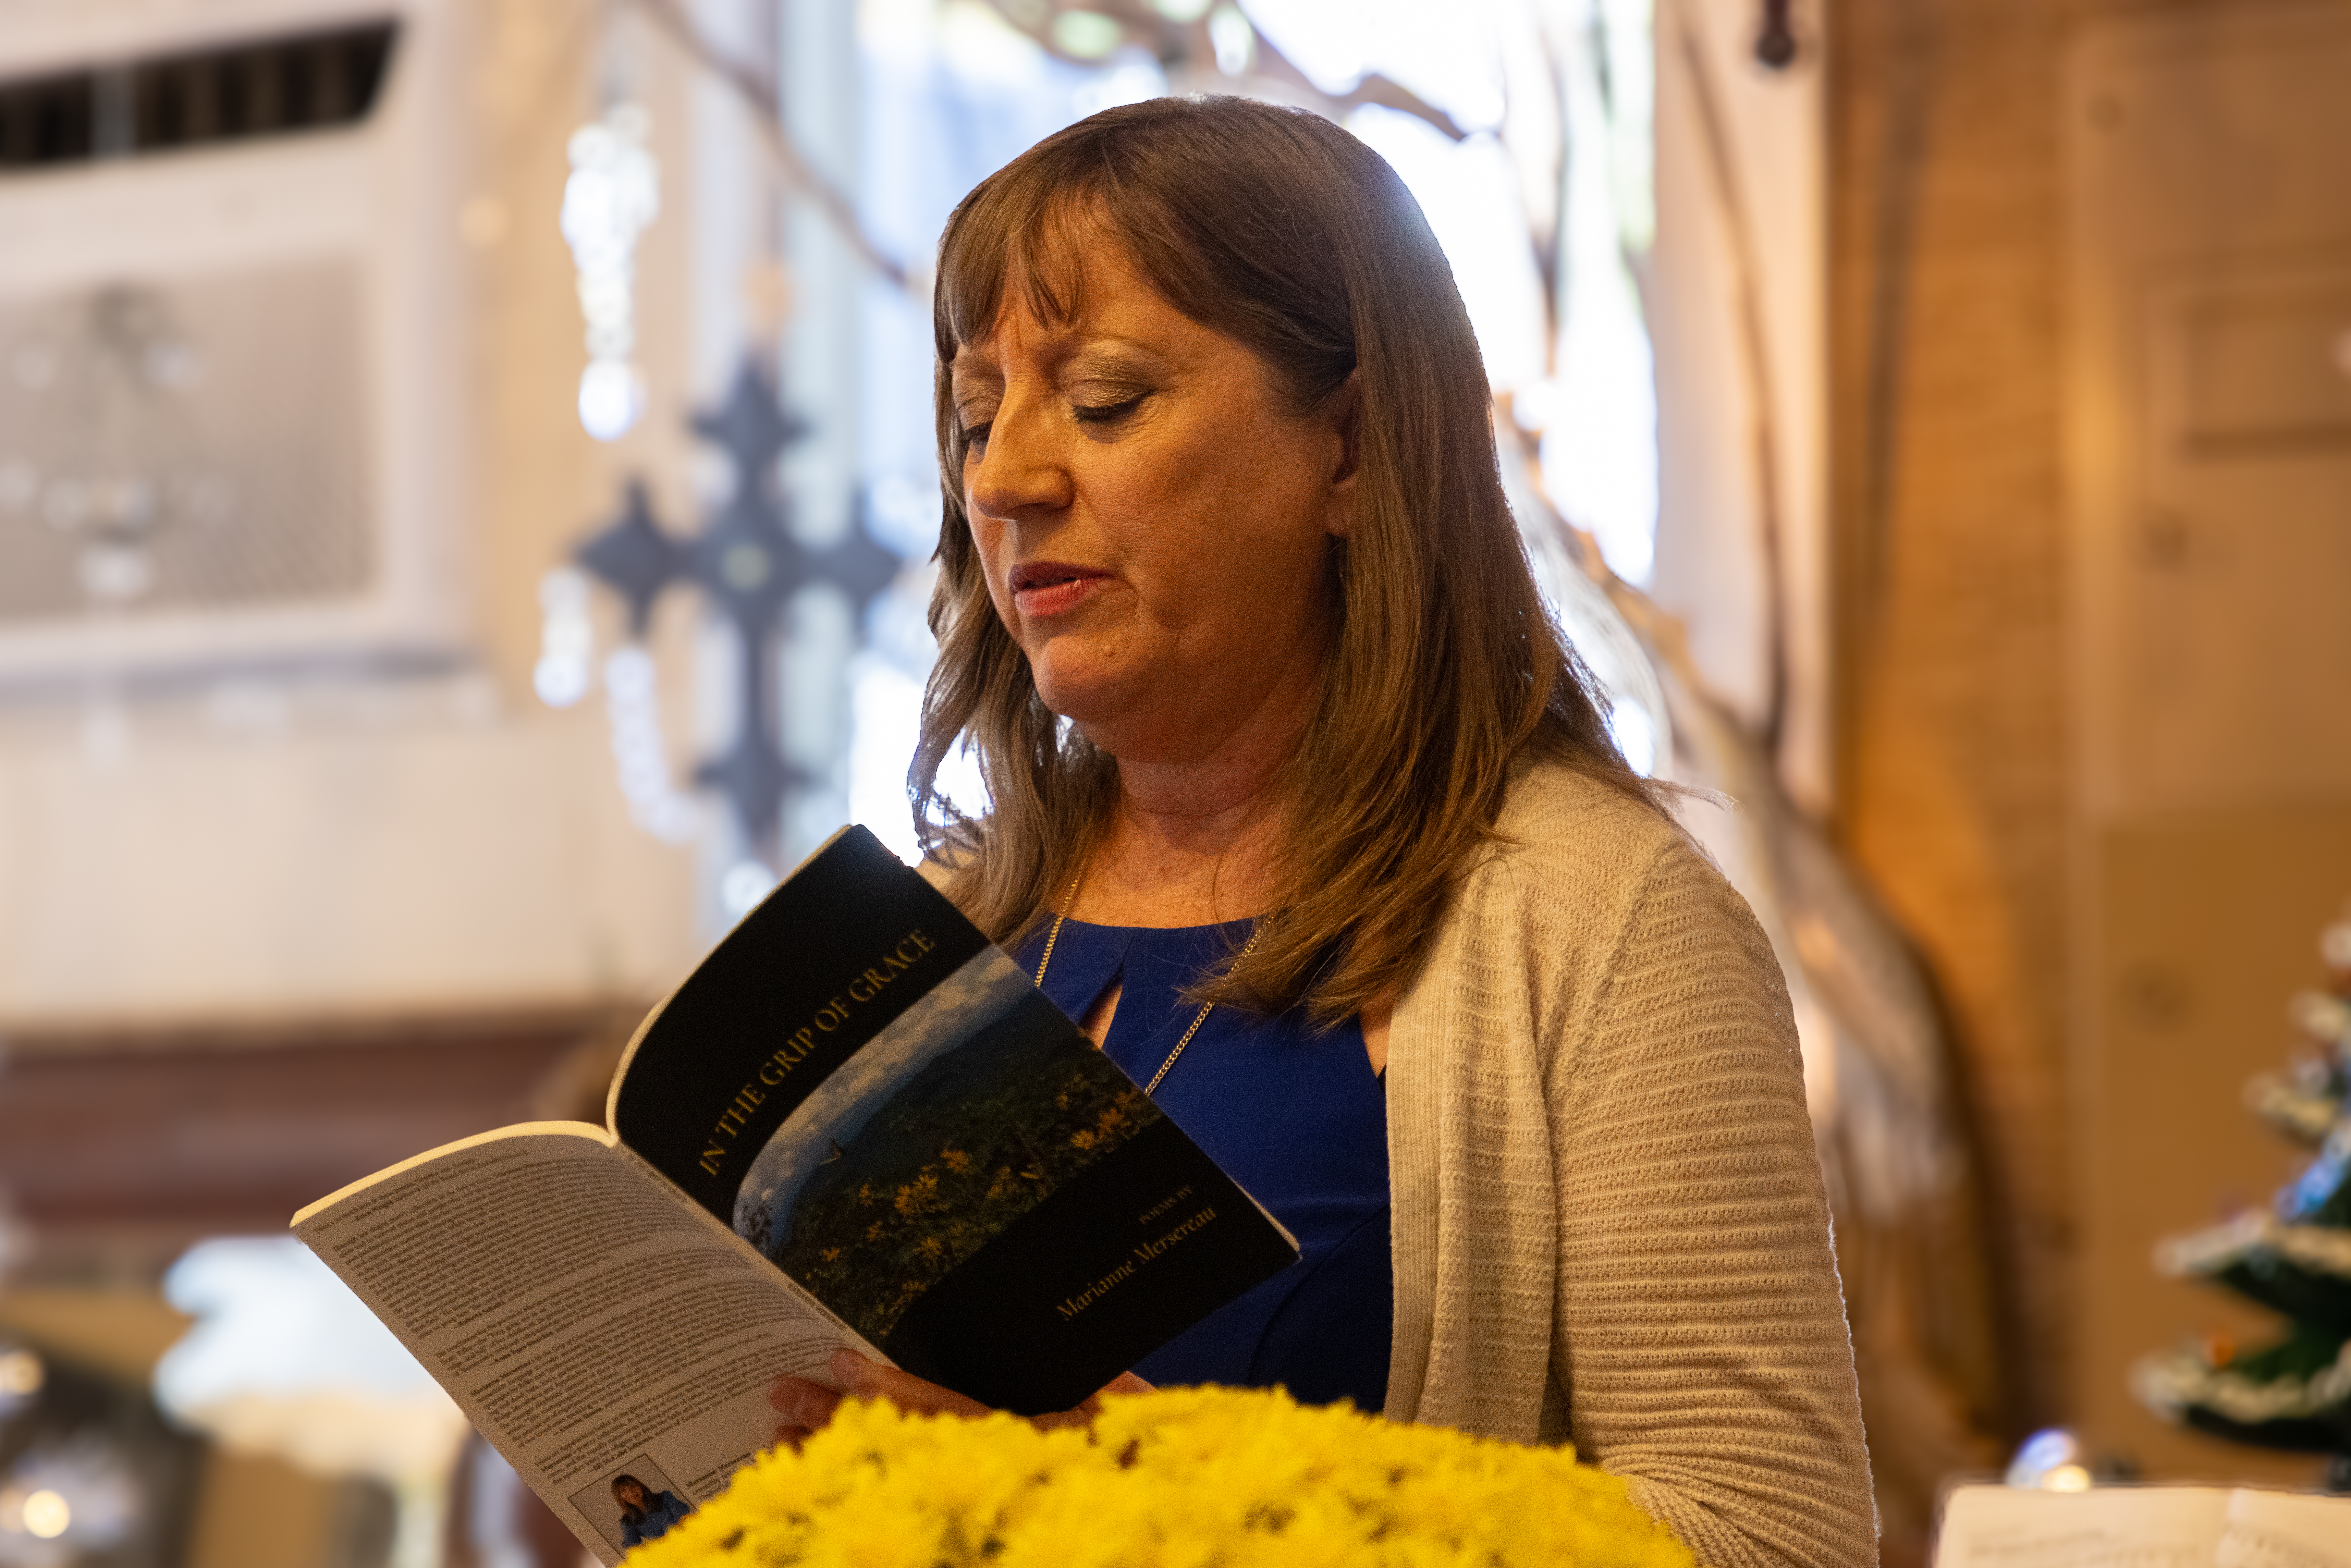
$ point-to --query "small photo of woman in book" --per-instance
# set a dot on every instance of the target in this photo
(633, 1506)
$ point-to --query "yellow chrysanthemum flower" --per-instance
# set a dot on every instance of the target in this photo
(1182, 1478)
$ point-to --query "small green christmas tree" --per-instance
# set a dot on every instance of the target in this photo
(2295, 1259)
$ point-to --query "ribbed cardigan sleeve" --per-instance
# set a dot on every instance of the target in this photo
(1609, 1219)
(1701, 1334)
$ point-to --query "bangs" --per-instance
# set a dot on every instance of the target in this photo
(1237, 226)
(1032, 228)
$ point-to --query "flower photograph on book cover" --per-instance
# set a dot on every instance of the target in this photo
(966, 1114)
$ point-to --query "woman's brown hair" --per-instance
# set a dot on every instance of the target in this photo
(1282, 230)
(632, 1512)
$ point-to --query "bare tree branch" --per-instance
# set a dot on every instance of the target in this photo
(758, 92)
(1144, 27)
(1373, 90)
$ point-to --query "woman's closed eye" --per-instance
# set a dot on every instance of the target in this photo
(1107, 413)
(974, 417)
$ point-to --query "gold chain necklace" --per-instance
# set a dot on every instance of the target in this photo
(1198, 1019)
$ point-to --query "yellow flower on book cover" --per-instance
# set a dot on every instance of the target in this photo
(1183, 1477)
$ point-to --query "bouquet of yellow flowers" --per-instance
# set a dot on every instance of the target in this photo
(1182, 1478)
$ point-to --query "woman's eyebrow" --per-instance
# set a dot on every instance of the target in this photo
(971, 372)
(1062, 353)
(1114, 355)
(1118, 342)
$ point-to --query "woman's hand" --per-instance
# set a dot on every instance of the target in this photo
(803, 1407)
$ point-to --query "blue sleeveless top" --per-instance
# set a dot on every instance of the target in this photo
(1293, 1113)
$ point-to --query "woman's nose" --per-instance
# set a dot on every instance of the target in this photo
(1019, 471)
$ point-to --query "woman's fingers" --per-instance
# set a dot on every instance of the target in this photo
(805, 1407)
(862, 1379)
(1124, 1383)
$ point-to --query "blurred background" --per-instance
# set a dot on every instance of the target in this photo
(466, 489)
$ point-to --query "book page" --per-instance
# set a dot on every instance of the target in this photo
(2286, 1529)
(613, 1343)
(2108, 1527)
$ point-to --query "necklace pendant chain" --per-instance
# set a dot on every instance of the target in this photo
(1053, 936)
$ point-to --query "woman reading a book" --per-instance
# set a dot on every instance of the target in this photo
(1299, 803)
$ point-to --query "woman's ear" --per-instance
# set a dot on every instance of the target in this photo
(1344, 409)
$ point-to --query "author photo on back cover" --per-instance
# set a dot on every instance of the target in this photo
(634, 1505)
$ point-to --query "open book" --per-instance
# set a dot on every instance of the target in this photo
(855, 1124)
(2143, 1527)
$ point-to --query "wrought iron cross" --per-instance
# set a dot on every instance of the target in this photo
(747, 561)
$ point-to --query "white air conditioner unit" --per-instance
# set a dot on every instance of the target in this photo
(232, 400)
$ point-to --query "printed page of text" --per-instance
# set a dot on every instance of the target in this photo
(613, 1341)
(2107, 1527)
(2286, 1529)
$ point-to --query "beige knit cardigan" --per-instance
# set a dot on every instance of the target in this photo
(1609, 1226)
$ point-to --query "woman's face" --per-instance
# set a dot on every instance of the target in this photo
(1153, 519)
(632, 1494)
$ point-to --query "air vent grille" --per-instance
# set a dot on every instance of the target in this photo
(195, 443)
(266, 86)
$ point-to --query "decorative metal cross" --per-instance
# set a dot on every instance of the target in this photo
(747, 561)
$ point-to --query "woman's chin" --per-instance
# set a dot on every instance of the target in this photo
(1092, 698)
(1114, 730)
(1095, 721)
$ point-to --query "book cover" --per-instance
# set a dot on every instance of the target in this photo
(863, 1088)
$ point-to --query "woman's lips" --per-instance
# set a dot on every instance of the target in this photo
(1047, 588)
